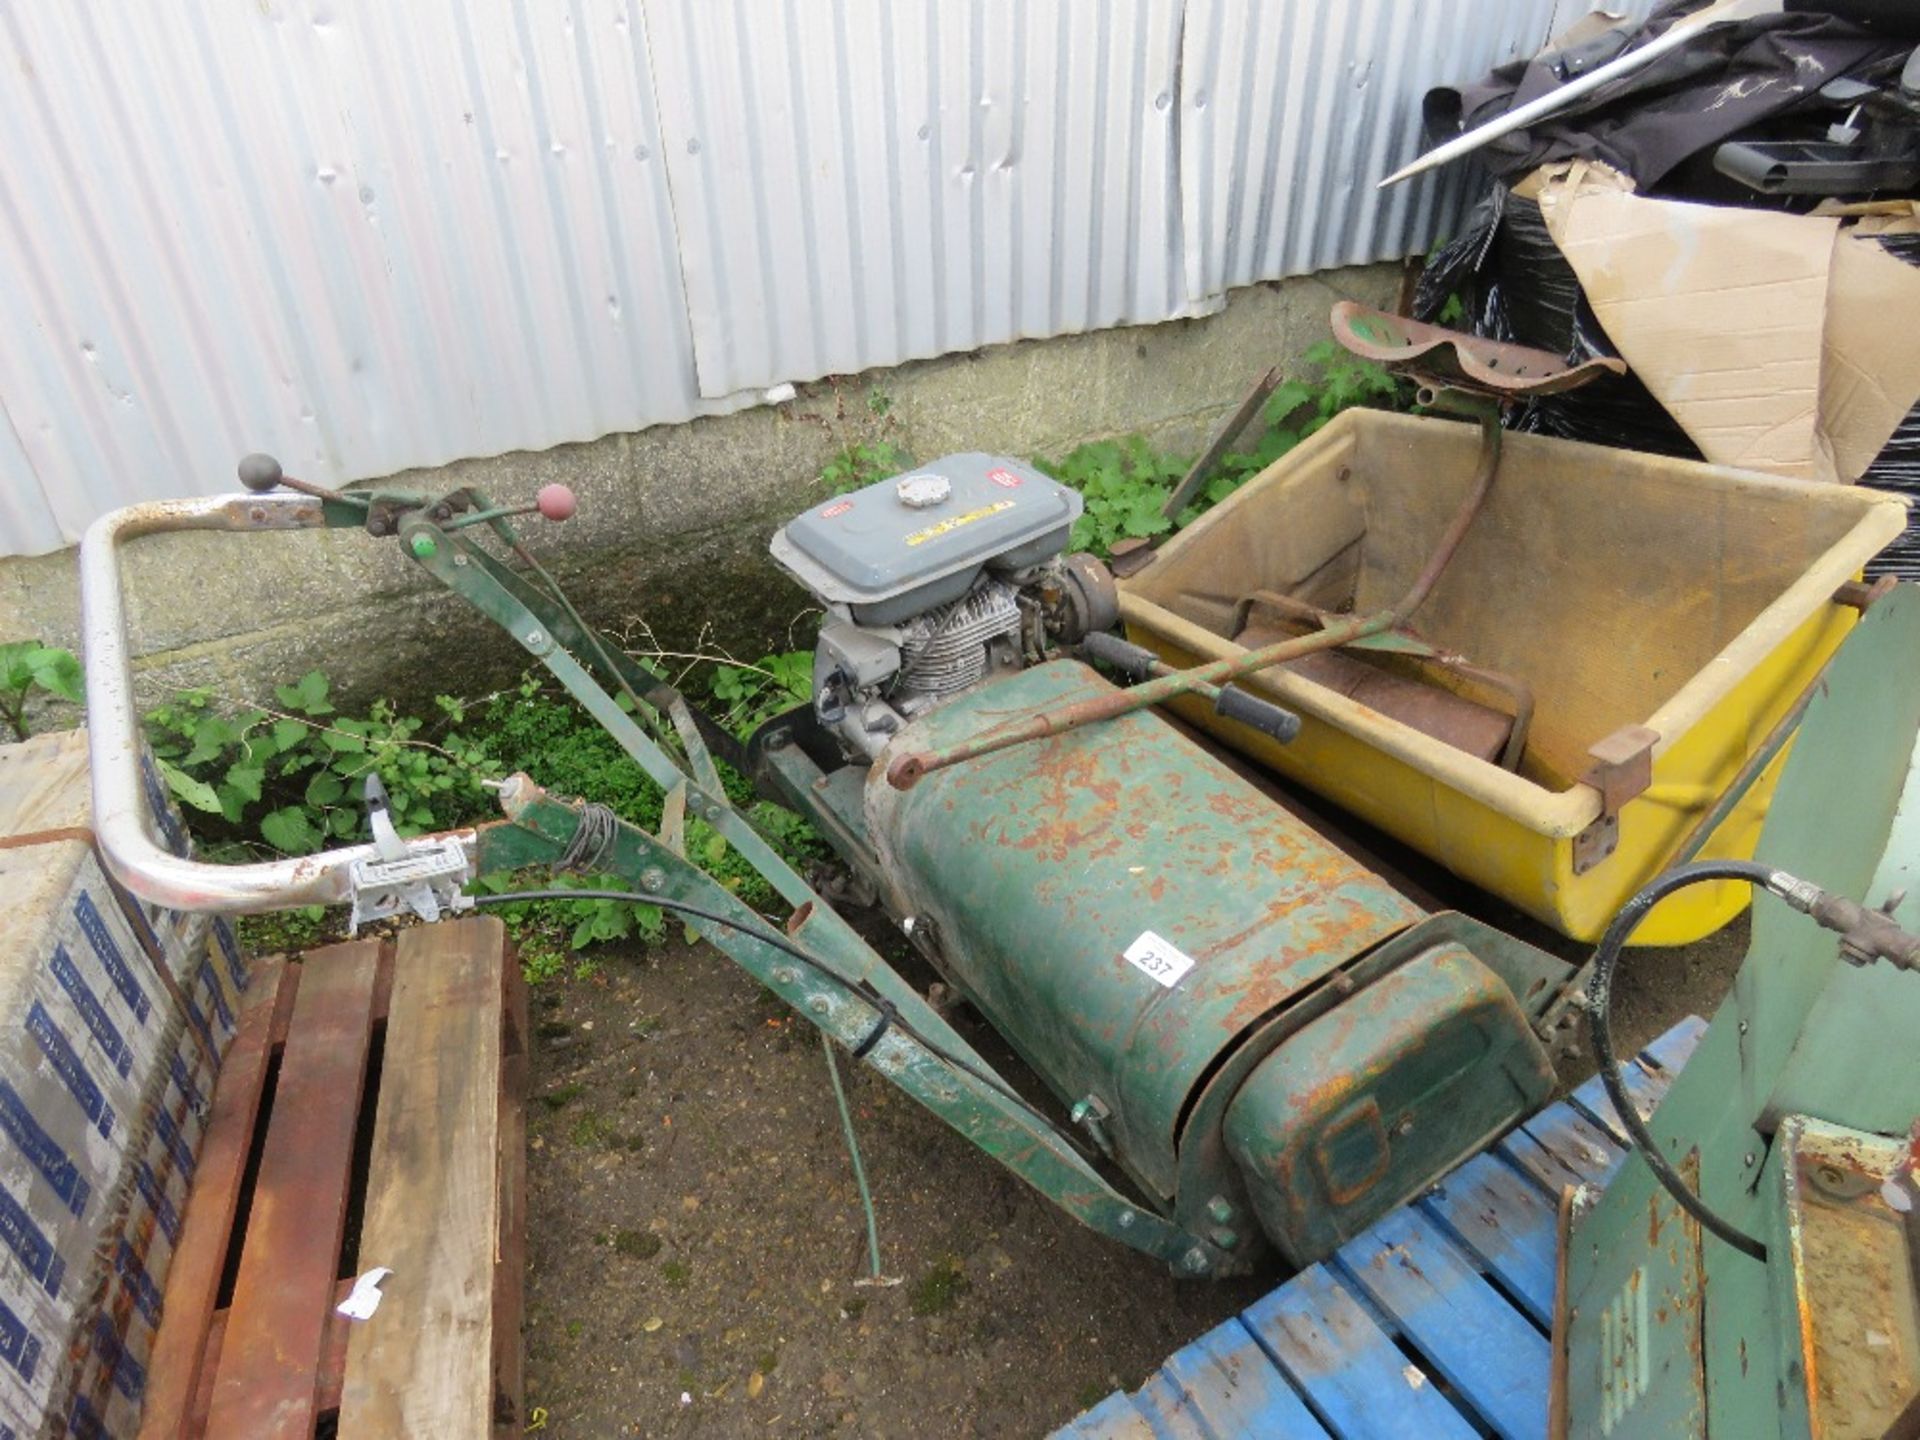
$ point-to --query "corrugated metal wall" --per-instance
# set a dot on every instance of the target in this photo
(369, 236)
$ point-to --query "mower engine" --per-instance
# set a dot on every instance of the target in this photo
(934, 581)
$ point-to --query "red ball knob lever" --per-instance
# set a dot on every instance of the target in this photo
(555, 502)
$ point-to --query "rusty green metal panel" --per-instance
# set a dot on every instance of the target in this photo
(1040, 866)
(1376, 1100)
(1675, 1333)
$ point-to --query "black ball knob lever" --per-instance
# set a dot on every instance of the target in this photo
(260, 473)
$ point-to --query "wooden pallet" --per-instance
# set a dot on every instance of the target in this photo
(1433, 1323)
(370, 1112)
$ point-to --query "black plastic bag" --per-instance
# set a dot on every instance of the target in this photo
(1515, 285)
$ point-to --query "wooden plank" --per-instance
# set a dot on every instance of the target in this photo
(1505, 1222)
(422, 1366)
(193, 1278)
(1114, 1418)
(1488, 1351)
(333, 1360)
(1233, 1387)
(510, 1253)
(1338, 1358)
(276, 1336)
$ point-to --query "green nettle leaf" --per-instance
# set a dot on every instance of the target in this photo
(1285, 399)
(308, 695)
(211, 736)
(1144, 517)
(188, 790)
(16, 672)
(343, 822)
(343, 742)
(325, 788)
(56, 671)
(288, 830)
(287, 733)
(246, 779)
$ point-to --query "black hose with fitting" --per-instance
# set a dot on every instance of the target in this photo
(1606, 960)
(1866, 935)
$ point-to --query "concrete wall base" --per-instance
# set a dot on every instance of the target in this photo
(673, 522)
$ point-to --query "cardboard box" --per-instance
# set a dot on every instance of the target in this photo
(107, 1068)
(1780, 343)
(46, 793)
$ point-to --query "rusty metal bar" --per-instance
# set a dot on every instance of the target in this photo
(1201, 468)
(907, 770)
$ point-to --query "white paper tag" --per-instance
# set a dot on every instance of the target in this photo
(1160, 959)
(364, 1298)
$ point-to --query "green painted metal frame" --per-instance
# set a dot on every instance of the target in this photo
(1699, 1340)
(919, 1051)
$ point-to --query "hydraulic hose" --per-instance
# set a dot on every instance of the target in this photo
(1606, 959)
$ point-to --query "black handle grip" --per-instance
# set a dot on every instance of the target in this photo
(1274, 721)
(1133, 661)
(260, 473)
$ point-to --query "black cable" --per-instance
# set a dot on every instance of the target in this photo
(1599, 1028)
(886, 1015)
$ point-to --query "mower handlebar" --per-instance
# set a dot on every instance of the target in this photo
(122, 821)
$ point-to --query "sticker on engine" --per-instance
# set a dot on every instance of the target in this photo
(1004, 478)
(1158, 959)
(954, 522)
(833, 512)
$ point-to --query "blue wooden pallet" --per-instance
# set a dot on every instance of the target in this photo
(1433, 1323)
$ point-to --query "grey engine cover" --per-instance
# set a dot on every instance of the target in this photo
(888, 559)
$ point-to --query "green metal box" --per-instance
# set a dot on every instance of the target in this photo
(1373, 1101)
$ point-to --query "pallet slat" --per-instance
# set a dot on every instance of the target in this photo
(276, 1338)
(1506, 1223)
(1671, 1050)
(333, 1361)
(1231, 1384)
(193, 1282)
(1571, 1142)
(1343, 1363)
(510, 1269)
(1488, 1351)
(422, 1366)
(1644, 1085)
(1114, 1418)
(1168, 1411)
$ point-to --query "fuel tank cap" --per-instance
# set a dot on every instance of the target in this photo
(922, 492)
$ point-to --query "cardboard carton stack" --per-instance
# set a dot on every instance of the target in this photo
(114, 1016)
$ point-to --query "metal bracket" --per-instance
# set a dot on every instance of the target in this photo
(428, 880)
(1622, 768)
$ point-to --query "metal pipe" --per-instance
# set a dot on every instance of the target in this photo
(121, 824)
(907, 770)
(1722, 12)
